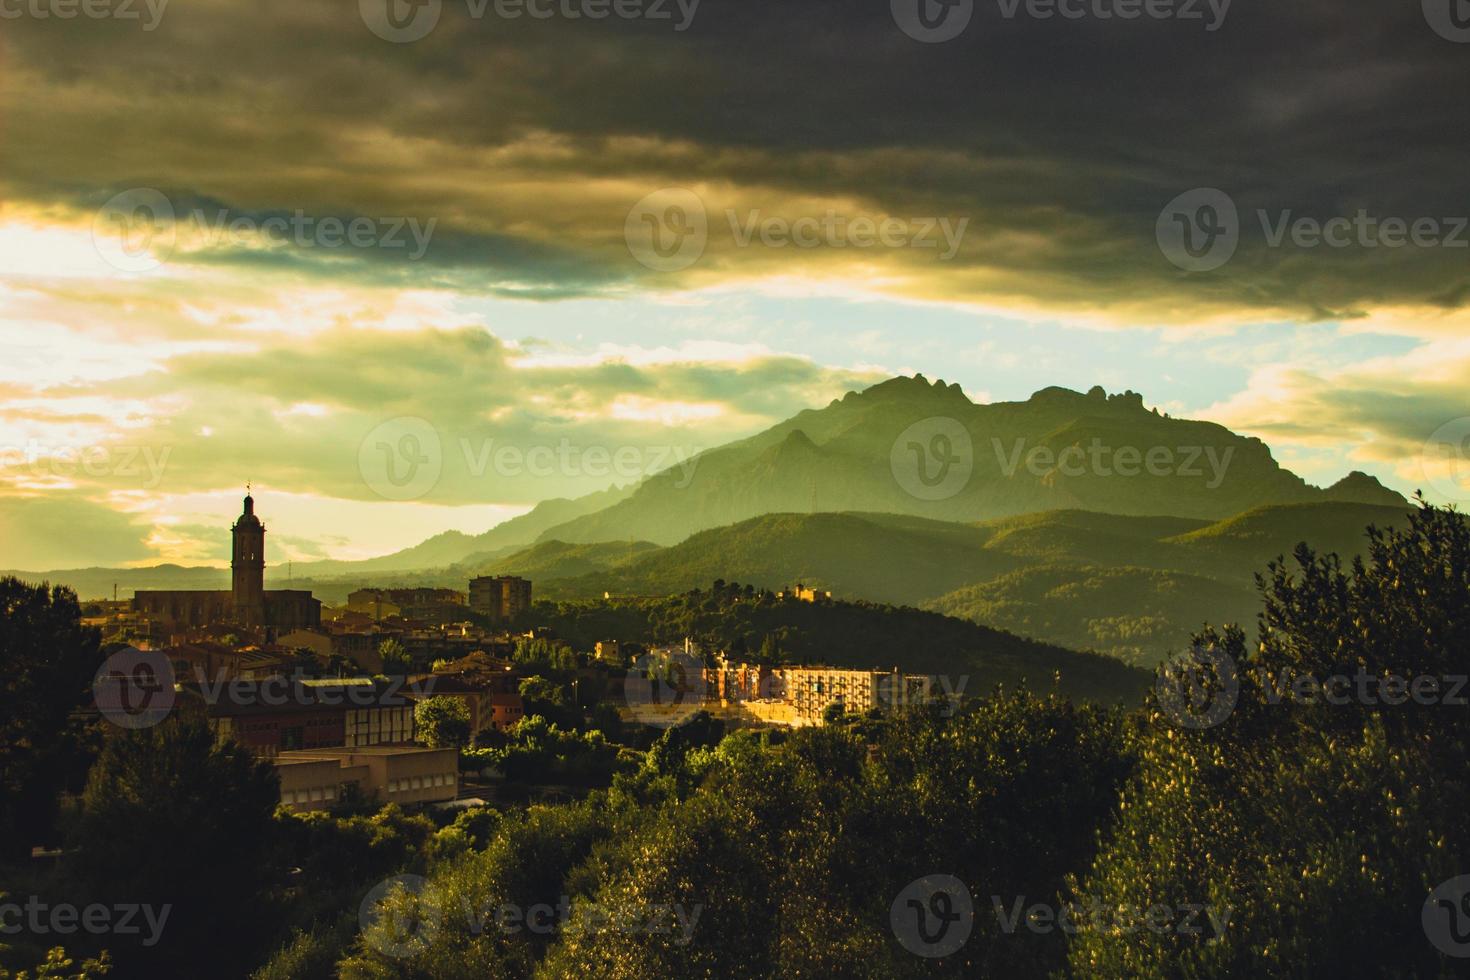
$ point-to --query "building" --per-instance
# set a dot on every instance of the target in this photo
(492, 704)
(247, 602)
(501, 597)
(271, 717)
(203, 661)
(314, 779)
(811, 690)
(803, 594)
(434, 604)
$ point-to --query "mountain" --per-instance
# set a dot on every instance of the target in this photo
(906, 446)
(551, 560)
(97, 583)
(456, 547)
(1134, 587)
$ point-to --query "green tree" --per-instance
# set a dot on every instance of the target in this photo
(442, 722)
(396, 661)
(59, 966)
(173, 818)
(47, 662)
(1320, 828)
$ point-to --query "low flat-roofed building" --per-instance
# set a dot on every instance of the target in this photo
(273, 717)
(314, 779)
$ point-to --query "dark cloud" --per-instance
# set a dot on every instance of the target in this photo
(1060, 139)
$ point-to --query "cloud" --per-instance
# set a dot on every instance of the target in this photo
(528, 141)
(1368, 414)
(296, 412)
(65, 531)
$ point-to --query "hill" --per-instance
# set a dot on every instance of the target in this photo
(1132, 587)
(849, 634)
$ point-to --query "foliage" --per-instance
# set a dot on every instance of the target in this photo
(758, 627)
(47, 662)
(396, 660)
(1320, 827)
(442, 722)
(539, 751)
(59, 966)
(169, 814)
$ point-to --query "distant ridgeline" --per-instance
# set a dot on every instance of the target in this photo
(1085, 520)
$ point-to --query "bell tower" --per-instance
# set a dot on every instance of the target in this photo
(247, 566)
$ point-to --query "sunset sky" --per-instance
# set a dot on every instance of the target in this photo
(249, 339)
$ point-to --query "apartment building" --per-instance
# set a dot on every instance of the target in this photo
(810, 690)
(501, 597)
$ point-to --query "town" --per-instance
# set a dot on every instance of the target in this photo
(334, 696)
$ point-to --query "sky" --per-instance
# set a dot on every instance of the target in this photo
(415, 268)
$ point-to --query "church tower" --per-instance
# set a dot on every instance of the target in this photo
(247, 566)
